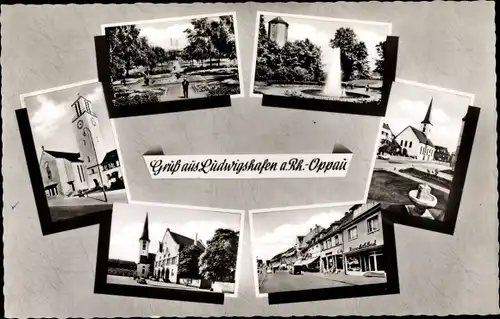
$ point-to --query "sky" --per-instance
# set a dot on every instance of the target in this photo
(128, 222)
(320, 32)
(275, 232)
(408, 105)
(50, 116)
(167, 34)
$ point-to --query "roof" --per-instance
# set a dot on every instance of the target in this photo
(422, 138)
(110, 157)
(72, 157)
(145, 230)
(427, 119)
(279, 20)
(185, 241)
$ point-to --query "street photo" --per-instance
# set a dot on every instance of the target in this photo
(332, 252)
(321, 59)
(174, 59)
(175, 249)
(70, 146)
(419, 153)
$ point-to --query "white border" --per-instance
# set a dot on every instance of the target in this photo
(437, 88)
(54, 89)
(237, 274)
(299, 16)
(236, 37)
(280, 209)
(374, 159)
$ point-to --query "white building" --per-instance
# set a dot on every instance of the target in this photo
(66, 173)
(62, 173)
(166, 261)
(278, 31)
(417, 143)
(386, 133)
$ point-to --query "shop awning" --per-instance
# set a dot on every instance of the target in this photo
(364, 249)
(310, 260)
(298, 263)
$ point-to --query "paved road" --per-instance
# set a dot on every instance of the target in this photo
(172, 86)
(122, 280)
(283, 281)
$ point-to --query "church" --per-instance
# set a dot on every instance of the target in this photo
(67, 173)
(417, 143)
(165, 263)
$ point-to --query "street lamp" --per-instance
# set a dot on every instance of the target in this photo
(85, 130)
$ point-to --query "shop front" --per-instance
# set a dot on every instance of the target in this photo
(332, 260)
(365, 258)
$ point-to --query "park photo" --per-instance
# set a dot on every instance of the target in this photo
(320, 58)
(175, 59)
(177, 249)
(302, 251)
(418, 156)
(71, 152)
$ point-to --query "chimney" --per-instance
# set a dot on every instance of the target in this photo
(195, 239)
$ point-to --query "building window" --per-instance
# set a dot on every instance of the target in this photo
(79, 173)
(352, 233)
(337, 240)
(88, 159)
(143, 245)
(84, 142)
(410, 144)
(49, 172)
(117, 163)
(143, 270)
(373, 224)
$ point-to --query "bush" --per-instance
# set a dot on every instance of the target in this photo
(137, 99)
(160, 70)
(222, 89)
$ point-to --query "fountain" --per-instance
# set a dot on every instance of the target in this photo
(422, 200)
(333, 85)
(333, 88)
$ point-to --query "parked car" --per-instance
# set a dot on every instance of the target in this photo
(142, 281)
(384, 156)
(296, 270)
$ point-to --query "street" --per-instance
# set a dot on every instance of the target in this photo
(68, 207)
(122, 280)
(284, 281)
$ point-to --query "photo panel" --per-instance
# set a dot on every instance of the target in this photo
(169, 252)
(71, 155)
(423, 154)
(323, 64)
(321, 253)
(169, 65)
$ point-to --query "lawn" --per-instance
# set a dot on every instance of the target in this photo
(392, 188)
(428, 177)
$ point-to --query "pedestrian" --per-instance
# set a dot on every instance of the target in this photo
(367, 87)
(146, 77)
(185, 87)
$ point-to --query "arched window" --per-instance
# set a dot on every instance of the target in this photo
(49, 172)
(88, 159)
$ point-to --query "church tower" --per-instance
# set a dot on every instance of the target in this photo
(88, 135)
(278, 31)
(143, 265)
(426, 123)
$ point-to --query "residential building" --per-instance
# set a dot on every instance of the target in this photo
(363, 241)
(167, 258)
(417, 143)
(441, 154)
(386, 133)
(278, 31)
(111, 169)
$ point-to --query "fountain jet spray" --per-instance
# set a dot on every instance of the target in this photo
(333, 85)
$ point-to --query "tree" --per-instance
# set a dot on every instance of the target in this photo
(218, 261)
(353, 54)
(390, 146)
(262, 28)
(379, 63)
(123, 49)
(188, 262)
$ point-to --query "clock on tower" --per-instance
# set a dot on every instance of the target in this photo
(88, 134)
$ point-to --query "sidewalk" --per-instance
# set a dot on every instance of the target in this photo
(348, 279)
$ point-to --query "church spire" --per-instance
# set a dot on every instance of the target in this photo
(145, 230)
(427, 119)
